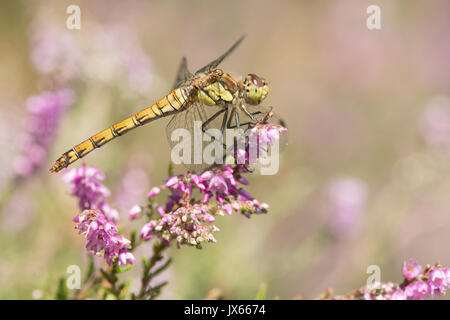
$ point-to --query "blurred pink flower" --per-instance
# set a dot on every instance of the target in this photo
(54, 49)
(417, 290)
(344, 204)
(435, 122)
(131, 188)
(135, 212)
(45, 113)
(352, 54)
(411, 269)
(108, 53)
(418, 285)
(438, 282)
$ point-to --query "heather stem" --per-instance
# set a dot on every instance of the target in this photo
(146, 290)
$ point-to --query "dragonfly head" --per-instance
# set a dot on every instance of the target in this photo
(255, 89)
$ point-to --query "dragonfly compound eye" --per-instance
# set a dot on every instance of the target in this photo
(255, 89)
(257, 81)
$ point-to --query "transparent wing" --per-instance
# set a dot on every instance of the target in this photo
(183, 74)
(198, 121)
(215, 63)
(193, 122)
(258, 112)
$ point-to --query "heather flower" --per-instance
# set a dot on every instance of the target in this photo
(266, 134)
(437, 282)
(135, 212)
(153, 192)
(188, 225)
(189, 221)
(45, 112)
(259, 139)
(417, 290)
(411, 269)
(103, 238)
(398, 295)
(418, 284)
(85, 184)
(447, 276)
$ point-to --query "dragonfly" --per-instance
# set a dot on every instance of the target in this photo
(209, 95)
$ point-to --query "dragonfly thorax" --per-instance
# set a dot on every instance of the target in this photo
(216, 90)
(253, 89)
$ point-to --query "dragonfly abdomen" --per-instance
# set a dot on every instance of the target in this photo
(174, 102)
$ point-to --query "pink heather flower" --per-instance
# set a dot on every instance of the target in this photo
(153, 192)
(417, 290)
(109, 212)
(437, 282)
(447, 277)
(267, 133)
(185, 219)
(398, 295)
(188, 225)
(45, 114)
(135, 212)
(261, 137)
(380, 291)
(417, 285)
(411, 269)
(126, 257)
(85, 184)
(103, 238)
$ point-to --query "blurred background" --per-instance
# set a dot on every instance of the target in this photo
(364, 180)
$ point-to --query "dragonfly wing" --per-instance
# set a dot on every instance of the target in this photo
(186, 120)
(216, 62)
(183, 74)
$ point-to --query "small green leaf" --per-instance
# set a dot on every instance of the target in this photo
(133, 238)
(170, 169)
(62, 291)
(91, 269)
(124, 289)
(161, 268)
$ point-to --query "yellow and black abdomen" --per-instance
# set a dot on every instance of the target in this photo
(174, 102)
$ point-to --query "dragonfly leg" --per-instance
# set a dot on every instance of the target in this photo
(224, 122)
(231, 118)
(248, 113)
(214, 116)
(238, 124)
(248, 123)
(218, 113)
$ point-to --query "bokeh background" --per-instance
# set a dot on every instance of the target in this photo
(364, 180)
